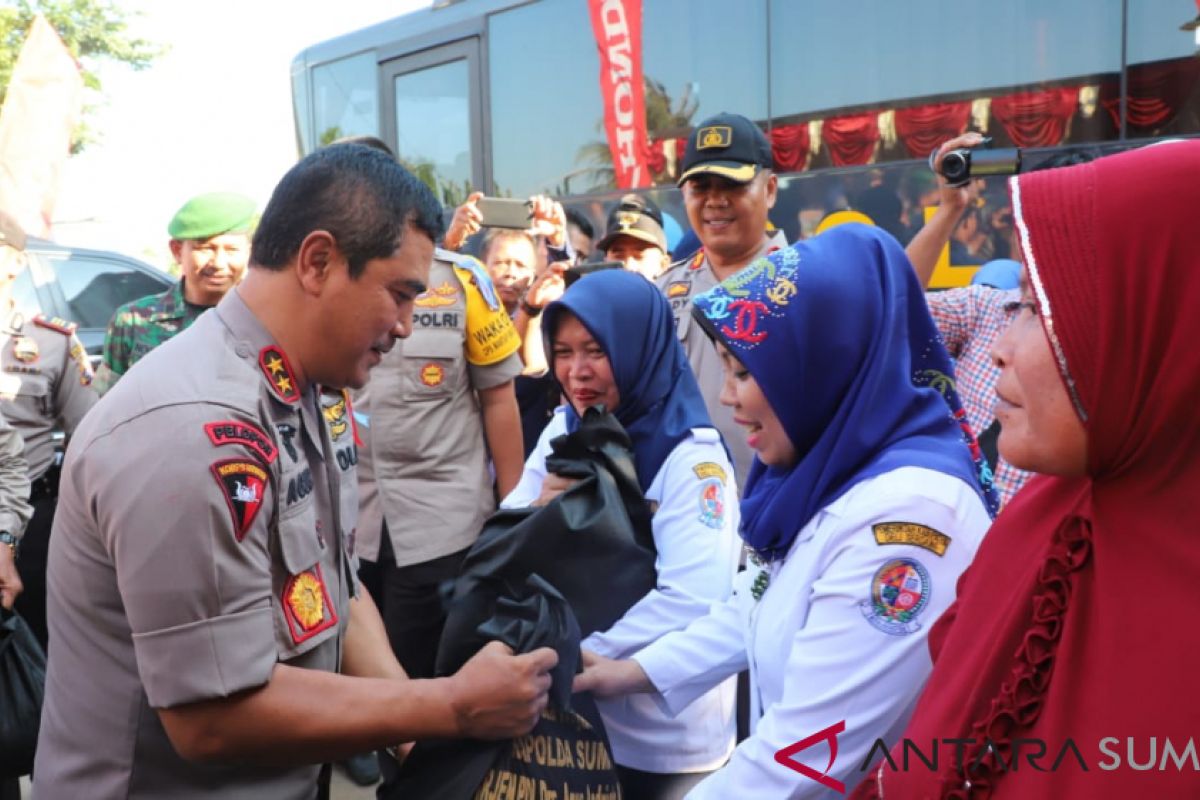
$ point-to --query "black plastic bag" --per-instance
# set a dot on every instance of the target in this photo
(593, 543)
(22, 684)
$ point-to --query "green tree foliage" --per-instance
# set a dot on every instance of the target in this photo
(93, 30)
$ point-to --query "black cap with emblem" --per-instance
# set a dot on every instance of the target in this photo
(11, 233)
(728, 145)
(638, 217)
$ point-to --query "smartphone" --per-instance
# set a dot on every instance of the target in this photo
(505, 212)
(576, 272)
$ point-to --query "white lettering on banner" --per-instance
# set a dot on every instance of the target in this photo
(620, 73)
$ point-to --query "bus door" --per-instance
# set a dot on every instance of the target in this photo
(432, 104)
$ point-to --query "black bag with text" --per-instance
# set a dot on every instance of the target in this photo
(22, 684)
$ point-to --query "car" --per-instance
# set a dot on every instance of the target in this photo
(83, 286)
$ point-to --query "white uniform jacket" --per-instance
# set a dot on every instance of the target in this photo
(838, 635)
(695, 531)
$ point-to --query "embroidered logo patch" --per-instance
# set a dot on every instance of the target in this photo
(714, 136)
(279, 372)
(439, 296)
(230, 431)
(899, 592)
(25, 349)
(911, 533)
(243, 484)
(335, 416)
(677, 289)
(712, 502)
(709, 469)
(433, 374)
(306, 605)
(79, 356)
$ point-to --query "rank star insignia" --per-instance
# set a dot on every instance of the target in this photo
(25, 349)
(306, 605)
(278, 371)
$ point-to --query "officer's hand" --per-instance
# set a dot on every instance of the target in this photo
(467, 221)
(552, 486)
(548, 287)
(955, 198)
(610, 677)
(10, 579)
(497, 695)
(549, 220)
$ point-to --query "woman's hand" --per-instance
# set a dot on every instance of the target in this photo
(548, 287)
(956, 198)
(549, 220)
(468, 220)
(552, 487)
(609, 677)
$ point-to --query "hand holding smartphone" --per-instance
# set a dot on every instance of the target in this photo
(505, 212)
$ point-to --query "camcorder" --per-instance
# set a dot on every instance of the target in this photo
(961, 165)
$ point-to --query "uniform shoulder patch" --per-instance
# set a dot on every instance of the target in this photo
(306, 605)
(243, 484)
(710, 469)
(275, 366)
(899, 592)
(712, 502)
(230, 431)
(913, 534)
(55, 324)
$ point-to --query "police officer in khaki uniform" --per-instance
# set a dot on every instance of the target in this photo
(201, 572)
(14, 510)
(729, 186)
(45, 385)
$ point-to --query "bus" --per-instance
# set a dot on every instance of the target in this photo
(514, 97)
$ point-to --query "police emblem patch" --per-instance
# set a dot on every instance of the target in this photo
(899, 592)
(677, 289)
(712, 502)
(433, 374)
(25, 349)
(714, 136)
(243, 484)
(306, 605)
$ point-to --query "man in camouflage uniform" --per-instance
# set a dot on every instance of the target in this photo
(45, 385)
(211, 244)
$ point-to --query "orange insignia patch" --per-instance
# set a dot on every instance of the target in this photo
(433, 374)
(698, 259)
(335, 415)
(306, 605)
(677, 288)
(439, 296)
(275, 366)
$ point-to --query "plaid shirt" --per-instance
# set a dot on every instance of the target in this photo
(970, 320)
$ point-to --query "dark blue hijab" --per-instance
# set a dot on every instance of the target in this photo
(837, 334)
(629, 317)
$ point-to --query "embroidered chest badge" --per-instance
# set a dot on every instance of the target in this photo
(25, 349)
(335, 416)
(279, 373)
(306, 605)
(433, 374)
(440, 296)
(899, 592)
(243, 484)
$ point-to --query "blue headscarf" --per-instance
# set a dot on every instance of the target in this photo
(836, 332)
(1000, 273)
(629, 317)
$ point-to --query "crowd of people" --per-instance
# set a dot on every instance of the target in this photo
(900, 515)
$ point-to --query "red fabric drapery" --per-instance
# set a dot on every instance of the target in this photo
(1156, 93)
(656, 159)
(1036, 119)
(789, 147)
(923, 128)
(851, 139)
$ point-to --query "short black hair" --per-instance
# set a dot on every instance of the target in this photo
(584, 224)
(368, 140)
(359, 194)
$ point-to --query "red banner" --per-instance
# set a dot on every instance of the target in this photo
(617, 25)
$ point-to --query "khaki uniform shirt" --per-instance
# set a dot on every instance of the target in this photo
(680, 283)
(45, 383)
(425, 461)
(203, 536)
(15, 510)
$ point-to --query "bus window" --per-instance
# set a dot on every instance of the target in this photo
(433, 128)
(345, 98)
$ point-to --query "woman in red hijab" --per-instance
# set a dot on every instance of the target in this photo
(1075, 630)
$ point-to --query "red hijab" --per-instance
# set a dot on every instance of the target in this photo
(1078, 619)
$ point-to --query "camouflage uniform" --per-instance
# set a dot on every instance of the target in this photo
(139, 327)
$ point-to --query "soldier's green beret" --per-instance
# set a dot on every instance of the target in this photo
(212, 214)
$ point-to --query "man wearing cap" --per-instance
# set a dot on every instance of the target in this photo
(635, 237)
(45, 386)
(209, 637)
(210, 242)
(729, 186)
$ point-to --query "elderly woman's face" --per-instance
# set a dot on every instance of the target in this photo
(764, 432)
(1039, 429)
(582, 367)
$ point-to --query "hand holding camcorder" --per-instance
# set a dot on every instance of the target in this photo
(959, 166)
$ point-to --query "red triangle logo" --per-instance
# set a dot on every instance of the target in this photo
(784, 756)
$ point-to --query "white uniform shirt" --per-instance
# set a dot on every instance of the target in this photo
(822, 645)
(695, 532)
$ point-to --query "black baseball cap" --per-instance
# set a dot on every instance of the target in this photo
(11, 233)
(638, 217)
(728, 145)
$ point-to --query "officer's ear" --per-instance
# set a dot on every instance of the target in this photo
(318, 258)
